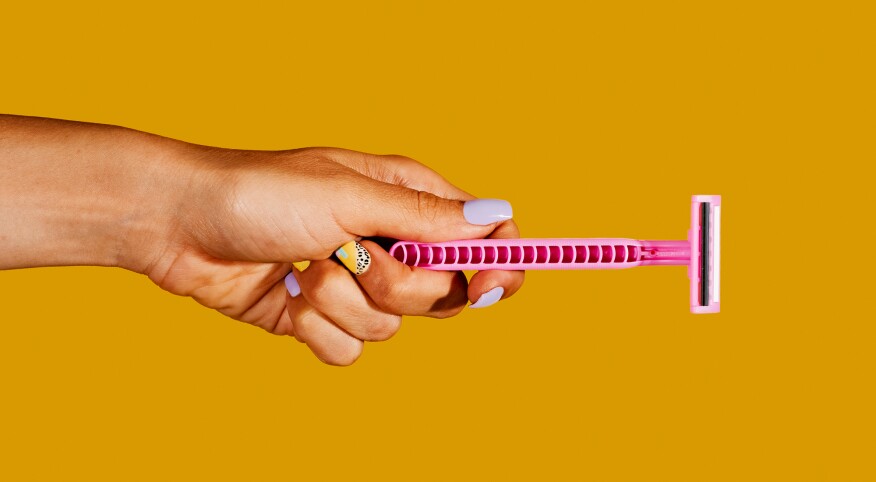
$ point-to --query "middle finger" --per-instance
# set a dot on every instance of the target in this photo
(405, 290)
(330, 288)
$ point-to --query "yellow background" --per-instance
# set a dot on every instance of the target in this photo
(593, 120)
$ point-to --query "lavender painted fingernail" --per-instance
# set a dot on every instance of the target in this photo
(489, 298)
(292, 285)
(486, 211)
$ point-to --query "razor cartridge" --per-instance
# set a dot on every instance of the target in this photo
(704, 269)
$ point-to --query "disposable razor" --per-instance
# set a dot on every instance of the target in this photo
(701, 253)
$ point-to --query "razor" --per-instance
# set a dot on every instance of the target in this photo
(701, 253)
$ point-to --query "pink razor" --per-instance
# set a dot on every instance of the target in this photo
(701, 253)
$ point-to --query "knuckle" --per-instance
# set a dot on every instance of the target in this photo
(310, 159)
(320, 285)
(304, 322)
(343, 357)
(400, 162)
(318, 163)
(454, 302)
(319, 152)
(448, 312)
(318, 291)
(383, 328)
(401, 159)
(402, 170)
(389, 295)
(428, 206)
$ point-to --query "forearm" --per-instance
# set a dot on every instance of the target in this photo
(85, 194)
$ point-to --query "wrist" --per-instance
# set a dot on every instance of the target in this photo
(156, 178)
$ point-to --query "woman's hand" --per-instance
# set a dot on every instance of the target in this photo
(253, 213)
(224, 226)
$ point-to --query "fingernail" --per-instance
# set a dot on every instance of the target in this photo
(301, 265)
(355, 257)
(292, 285)
(489, 298)
(486, 211)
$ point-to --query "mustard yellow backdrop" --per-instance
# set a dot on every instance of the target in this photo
(593, 119)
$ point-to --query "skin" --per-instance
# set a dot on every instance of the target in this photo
(224, 226)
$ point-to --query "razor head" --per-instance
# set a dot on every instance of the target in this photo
(705, 254)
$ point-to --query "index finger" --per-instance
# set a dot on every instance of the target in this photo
(404, 290)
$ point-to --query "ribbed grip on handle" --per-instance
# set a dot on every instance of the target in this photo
(520, 254)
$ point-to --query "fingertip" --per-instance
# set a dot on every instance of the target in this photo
(339, 356)
(489, 298)
(381, 263)
(484, 281)
(355, 257)
(292, 285)
(483, 212)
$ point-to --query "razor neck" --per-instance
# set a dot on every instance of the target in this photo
(665, 253)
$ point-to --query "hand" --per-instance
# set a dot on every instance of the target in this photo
(252, 213)
(223, 227)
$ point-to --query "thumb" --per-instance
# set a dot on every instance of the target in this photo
(397, 212)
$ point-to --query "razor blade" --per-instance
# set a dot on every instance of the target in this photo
(700, 252)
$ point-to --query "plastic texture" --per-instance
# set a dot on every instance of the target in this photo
(711, 264)
(589, 254)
